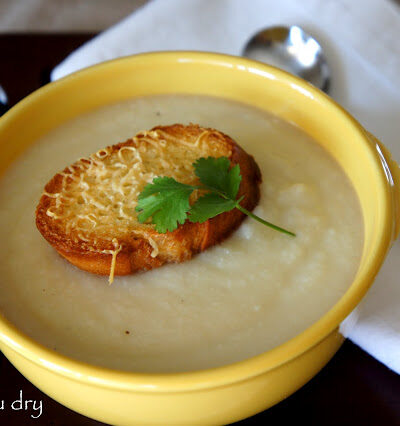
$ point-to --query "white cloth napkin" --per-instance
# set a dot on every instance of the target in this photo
(363, 51)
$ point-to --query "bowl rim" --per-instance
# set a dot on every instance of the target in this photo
(242, 370)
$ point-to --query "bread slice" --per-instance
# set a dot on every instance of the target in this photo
(87, 212)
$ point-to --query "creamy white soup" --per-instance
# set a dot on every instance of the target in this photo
(254, 291)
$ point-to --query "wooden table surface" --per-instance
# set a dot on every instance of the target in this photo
(353, 389)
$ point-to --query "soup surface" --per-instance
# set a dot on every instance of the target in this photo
(249, 294)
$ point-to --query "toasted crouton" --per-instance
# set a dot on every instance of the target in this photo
(87, 212)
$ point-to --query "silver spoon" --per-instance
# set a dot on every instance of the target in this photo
(291, 49)
(3, 101)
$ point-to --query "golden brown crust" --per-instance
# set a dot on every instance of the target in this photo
(136, 250)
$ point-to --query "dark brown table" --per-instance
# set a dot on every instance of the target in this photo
(353, 389)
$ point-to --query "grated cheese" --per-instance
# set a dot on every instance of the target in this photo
(154, 246)
(114, 253)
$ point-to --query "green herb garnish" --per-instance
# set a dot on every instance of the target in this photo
(166, 201)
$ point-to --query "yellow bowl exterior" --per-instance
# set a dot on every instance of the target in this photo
(236, 391)
(209, 406)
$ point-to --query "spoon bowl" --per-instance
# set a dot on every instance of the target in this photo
(293, 50)
(3, 101)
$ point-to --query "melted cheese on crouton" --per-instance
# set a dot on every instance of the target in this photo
(99, 193)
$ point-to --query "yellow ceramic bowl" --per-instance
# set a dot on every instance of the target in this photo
(232, 392)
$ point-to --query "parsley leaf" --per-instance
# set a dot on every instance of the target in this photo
(208, 206)
(167, 201)
(215, 174)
